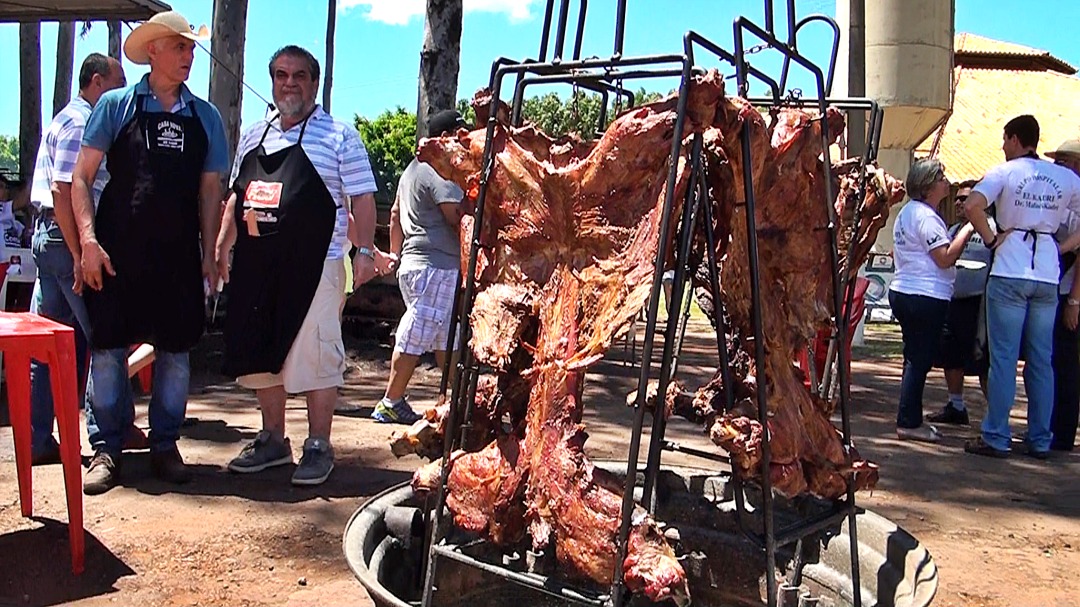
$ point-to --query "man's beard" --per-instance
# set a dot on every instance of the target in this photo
(291, 105)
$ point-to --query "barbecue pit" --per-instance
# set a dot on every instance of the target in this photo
(738, 542)
(385, 548)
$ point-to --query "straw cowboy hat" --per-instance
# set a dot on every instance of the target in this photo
(161, 25)
(1068, 148)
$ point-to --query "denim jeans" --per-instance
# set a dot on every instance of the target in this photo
(1066, 362)
(1020, 316)
(921, 319)
(53, 298)
(111, 399)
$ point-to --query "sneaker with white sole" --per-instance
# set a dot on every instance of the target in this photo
(262, 453)
(925, 433)
(389, 412)
(316, 463)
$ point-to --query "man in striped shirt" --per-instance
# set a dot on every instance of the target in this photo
(297, 178)
(57, 291)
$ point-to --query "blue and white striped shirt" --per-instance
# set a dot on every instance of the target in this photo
(337, 153)
(57, 153)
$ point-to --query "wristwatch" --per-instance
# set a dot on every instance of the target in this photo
(366, 252)
(1073, 302)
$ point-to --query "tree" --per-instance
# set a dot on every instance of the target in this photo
(439, 60)
(328, 75)
(579, 114)
(391, 146)
(30, 95)
(65, 63)
(9, 154)
(114, 39)
(227, 70)
(464, 107)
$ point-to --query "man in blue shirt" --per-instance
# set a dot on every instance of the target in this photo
(58, 289)
(148, 249)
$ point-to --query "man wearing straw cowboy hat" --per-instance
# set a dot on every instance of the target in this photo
(141, 258)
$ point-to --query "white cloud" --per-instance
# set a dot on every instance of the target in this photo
(401, 12)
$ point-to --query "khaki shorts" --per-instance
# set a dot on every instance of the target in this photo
(316, 359)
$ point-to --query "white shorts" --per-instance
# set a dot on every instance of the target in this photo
(429, 301)
(316, 359)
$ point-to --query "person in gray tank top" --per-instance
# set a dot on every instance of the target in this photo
(424, 235)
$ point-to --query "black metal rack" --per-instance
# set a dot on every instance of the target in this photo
(606, 76)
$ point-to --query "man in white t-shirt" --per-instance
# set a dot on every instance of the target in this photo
(1033, 198)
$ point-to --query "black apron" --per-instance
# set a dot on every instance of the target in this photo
(276, 270)
(148, 223)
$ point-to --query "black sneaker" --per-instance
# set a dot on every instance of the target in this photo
(949, 415)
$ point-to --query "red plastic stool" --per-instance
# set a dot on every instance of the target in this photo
(24, 336)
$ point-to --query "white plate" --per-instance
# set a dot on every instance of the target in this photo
(969, 264)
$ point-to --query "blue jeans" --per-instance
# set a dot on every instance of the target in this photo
(112, 397)
(921, 320)
(1020, 314)
(53, 298)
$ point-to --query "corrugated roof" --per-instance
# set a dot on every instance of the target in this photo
(973, 43)
(977, 51)
(79, 10)
(984, 100)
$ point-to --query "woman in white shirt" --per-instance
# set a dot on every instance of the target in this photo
(922, 287)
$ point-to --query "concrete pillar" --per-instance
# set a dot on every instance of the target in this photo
(909, 58)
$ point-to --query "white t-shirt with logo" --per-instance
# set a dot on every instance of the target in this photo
(1033, 197)
(917, 231)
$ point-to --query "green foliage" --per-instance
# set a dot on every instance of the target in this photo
(9, 153)
(390, 140)
(464, 107)
(579, 113)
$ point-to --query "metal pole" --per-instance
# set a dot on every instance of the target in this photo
(620, 27)
(618, 589)
(759, 338)
(546, 31)
(560, 34)
(579, 38)
(686, 229)
(466, 352)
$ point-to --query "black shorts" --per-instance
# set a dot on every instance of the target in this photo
(957, 348)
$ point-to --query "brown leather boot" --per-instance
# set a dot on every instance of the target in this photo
(169, 466)
(102, 475)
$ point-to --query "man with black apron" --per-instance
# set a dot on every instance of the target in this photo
(296, 178)
(1033, 198)
(148, 250)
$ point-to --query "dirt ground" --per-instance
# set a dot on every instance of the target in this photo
(254, 540)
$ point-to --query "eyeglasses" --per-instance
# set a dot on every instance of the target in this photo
(961, 198)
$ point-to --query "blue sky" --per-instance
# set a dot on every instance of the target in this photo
(378, 41)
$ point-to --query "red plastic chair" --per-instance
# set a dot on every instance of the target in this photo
(24, 336)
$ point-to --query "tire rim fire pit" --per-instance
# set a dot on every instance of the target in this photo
(384, 547)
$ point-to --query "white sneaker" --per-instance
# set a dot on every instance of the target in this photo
(925, 433)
